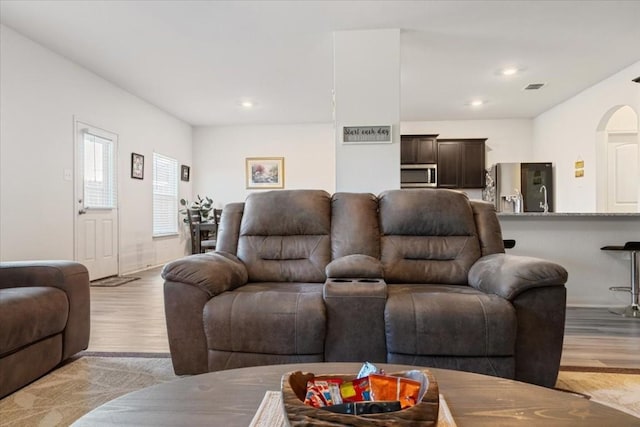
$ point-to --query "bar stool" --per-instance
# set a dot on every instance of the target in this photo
(632, 310)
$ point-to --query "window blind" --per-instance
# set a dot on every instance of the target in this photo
(165, 195)
(99, 172)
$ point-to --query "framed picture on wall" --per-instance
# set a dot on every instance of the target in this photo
(265, 172)
(185, 172)
(380, 134)
(137, 166)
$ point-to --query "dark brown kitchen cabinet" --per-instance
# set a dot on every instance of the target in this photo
(418, 149)
(461, 163)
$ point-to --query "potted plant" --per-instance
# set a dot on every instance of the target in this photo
(203, 205)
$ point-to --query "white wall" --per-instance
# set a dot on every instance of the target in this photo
(40, 93)
(623, 120)
(567, 133)
(367, 93)
(219, 155)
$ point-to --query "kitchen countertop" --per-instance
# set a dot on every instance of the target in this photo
(567, 214)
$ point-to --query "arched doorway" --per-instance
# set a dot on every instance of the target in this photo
(618, 161)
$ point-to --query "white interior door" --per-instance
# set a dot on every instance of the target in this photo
(96, 201)
(622, 172)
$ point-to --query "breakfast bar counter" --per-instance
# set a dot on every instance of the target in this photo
(569, 214)
(573, 240)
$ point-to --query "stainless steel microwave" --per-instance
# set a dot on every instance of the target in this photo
(418, 175)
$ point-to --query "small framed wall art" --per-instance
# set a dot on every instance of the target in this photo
(265, 172)
(137, 166)
(380, 134)
(185, 173)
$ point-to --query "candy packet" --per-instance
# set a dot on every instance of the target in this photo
(313, 396)
(357, 390)
(385, 387)
(323, 392)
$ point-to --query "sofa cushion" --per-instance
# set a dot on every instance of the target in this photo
(28, 315)
(442, 320)
(352, 266)
(427, 236)
(354, 225)
(284, 236)
(285, 258)
(268, 318)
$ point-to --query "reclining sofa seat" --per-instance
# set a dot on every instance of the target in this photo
(442, 291)
(44, 318)
(433, 317)
(267, 308)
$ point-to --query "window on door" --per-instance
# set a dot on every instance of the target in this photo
(165, 195)
(99, 172)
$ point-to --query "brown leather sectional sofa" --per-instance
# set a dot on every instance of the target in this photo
(411, 276)
(44, 318)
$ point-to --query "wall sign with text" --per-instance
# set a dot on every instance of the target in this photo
(367, 134)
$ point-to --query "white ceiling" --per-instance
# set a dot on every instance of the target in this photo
(198, 59)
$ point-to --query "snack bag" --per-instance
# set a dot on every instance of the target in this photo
(313, 396)
(356, 391)
(384, 387)
(329, 390)
(368, 368)
(323, 392)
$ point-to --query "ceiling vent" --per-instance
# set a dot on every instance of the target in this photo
(533, 86)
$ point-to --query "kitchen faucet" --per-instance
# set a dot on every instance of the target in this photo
(544, 205)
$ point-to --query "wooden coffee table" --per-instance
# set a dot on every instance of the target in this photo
(231, 398)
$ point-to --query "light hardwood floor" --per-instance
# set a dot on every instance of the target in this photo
(130, 318)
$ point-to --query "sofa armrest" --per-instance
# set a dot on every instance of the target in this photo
(58, 274)
(68, 276)
(355, 266)
(536, 289)
(189, 283)
(183, 309)
(355, 320)
(510, 275)
(214, 272)
(541, 314)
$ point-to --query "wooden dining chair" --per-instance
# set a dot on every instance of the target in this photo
(203, 234)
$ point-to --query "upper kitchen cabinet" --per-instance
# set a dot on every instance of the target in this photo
(418, 149)
(461, 163)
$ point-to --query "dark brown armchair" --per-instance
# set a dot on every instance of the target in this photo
(44, 318)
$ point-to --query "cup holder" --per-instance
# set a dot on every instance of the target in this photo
(355, 280)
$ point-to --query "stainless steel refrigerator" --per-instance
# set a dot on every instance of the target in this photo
(521, 187)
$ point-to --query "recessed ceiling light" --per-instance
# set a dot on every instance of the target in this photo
(246, 104)
(476, 103)
(510, 71)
